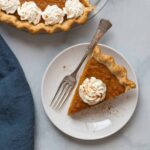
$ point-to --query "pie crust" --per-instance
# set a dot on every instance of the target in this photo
(41, 27)
(119, 71)
(103, 67)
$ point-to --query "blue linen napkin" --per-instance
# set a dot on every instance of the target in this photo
(16, 104)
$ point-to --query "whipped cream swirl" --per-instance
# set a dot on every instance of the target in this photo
(53, 15)
(29, 11)
(92, 91)
(73, 8)
(9, 6)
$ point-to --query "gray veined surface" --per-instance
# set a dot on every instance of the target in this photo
(129, 35)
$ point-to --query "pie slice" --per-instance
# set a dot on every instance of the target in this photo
(103, 67)
(44, 15)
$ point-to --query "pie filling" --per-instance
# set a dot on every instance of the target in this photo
(50, 12)
(43, 4)
(95, 69)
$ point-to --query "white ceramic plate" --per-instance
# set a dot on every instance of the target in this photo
(91, 124)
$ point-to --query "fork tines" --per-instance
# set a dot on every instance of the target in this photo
(61, 95)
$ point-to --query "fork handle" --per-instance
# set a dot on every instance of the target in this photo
(103, 27)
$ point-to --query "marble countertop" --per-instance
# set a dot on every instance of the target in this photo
(130, 35)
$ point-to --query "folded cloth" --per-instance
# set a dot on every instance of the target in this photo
(16, 104)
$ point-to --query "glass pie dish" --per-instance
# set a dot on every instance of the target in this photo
(100, 4)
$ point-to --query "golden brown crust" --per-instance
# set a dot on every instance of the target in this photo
(119, 71)
(41, 27)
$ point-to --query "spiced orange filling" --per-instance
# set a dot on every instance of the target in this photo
(95, 69)
(42, 4)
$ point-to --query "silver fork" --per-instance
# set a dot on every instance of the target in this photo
(69, 81)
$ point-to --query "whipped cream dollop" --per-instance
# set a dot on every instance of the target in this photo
(53, 15)
(9, 6)
(92, 91)
(29, 11)
(73, 8)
